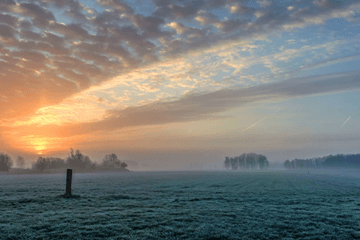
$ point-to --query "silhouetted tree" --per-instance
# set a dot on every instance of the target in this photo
(233, 163)
(292, 164)
(227, 162)
(123, 165)
(248, 161)
(87, 162)
(48, 163)
(263, 162)
(56, 163)
(287, 164)
(78, 160)
(93, 166)
(5, 163)
(242, 160)
(41, 164)
(111, 161)
(20, 162)
(331, 161)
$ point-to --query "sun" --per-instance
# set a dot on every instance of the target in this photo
(40, 148)
(39, 145)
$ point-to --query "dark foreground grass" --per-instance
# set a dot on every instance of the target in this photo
(181, 205)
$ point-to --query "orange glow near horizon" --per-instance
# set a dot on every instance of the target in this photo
(35, 144)
(38, 144)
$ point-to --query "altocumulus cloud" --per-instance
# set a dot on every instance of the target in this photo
(50, 50)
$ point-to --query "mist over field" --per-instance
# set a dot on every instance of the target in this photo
(182, 205)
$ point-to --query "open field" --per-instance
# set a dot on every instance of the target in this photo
(181, 205)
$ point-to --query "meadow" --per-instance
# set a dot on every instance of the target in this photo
(182, 205)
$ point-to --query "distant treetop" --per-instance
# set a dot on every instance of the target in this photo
(247, 161)
(5, 162)
(331, 161)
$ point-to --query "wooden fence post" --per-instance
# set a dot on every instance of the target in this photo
(68, 183)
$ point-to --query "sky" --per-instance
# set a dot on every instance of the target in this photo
(179, 85)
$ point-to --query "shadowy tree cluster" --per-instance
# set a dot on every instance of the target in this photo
(5, 162)
(331, 161)
(247, 161)
(49, 163)
(77, 160)
(112, 161)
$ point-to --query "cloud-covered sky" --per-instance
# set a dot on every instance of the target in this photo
(179, 84)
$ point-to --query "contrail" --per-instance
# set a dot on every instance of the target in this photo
(345, 122)
(259, 121)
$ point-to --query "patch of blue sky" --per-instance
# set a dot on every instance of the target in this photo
(253, 4)
(191, 23)
(338, 31)
(60, 15)
(12, 49)
(245, 53)
(336, 24)
(211, 58)
(345, 66)
(324, 113)
(315, 63)
(93, 4)
(258, 68)
(37, 30)
(300, 37)
(143, 7)
(338, 49)
(221, 13)
(222, 74)
(266, 47)
(285, 3)
(349, 51)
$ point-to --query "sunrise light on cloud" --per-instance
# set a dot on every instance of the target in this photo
(156, 81)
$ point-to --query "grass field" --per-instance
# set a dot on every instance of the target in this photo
(181, 205)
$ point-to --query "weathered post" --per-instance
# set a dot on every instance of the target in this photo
(68, 183)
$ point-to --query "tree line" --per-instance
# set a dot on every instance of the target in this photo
(75, 160)
(330, 161)
(247, 161)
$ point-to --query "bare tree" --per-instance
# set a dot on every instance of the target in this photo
(78, 160)
(5, 162)
(123, 165)
(262, 161)
(249, 161)
(227, 163)
(41, 164)
(20, 162)
(111, 161)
